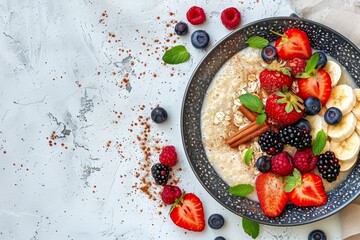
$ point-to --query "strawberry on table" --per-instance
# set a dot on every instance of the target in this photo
(187, 212)
(283, 108)
(294, 43)
(305, 190)
(271, 194)
(314, 82)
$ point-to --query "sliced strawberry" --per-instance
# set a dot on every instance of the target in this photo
(309, 191)
(294, 43)
(187, 212)
(271, 194)
(318, 85)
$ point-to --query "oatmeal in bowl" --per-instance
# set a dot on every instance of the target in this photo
(278, 124)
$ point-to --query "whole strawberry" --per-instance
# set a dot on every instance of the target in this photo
(170, 194)
(297, 66)
(305, 160)
(284, 108)
(272, 80)
(281, 164)
(168, 156)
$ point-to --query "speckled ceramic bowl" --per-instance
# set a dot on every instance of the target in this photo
(321, 37)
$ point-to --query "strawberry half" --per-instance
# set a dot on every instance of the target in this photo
(305, 190)
(271, 194)
(284, 108)
(187, 212)
(314, 82)
(294, 43)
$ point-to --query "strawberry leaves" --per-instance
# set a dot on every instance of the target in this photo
(254, 104)
(292, 101)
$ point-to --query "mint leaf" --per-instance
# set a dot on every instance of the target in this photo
(257, 42)
(261, 118)
(241, 190)
(252, 102)
(293, 181)
(176, 55)
(251, 228)
(311, 63)
(319, 142)
(248, 155)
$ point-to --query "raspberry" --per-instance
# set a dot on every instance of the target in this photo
(282, 164)
(170, 193)
(297, 66)
(196, 15)
(305, 160)
(230, 18)
(168, 156)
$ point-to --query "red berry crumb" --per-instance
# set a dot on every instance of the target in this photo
(196, 15)
(170, 193)
(305, 160)
(297, 66)
(168, 156)
(230, 18)
(281, 164)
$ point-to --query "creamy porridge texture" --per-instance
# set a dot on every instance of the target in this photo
(221, 117)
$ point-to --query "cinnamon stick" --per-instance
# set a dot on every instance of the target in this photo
(242, 132)
(245, 138)
(247, 113)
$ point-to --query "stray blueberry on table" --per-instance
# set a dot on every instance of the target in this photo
(322, 60)
(333, 116)
(317, 235)
(159, 115)
(312, 106)
(216, 221)
(268, 54)
(160, 173)
(219, 238)
(263, 164)
(200, 39)
(181, 28)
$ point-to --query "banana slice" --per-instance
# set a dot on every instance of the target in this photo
(322, 111)
(347, 149)
(334, 71)
(317, 123)
(343, 97)
(346, 165)
(343, 129)
(357, 127)
(356, 108)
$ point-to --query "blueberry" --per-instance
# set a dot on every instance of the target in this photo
(159, 115)
(268, 54)
(263, 164)
(181, 28)
(302, 123)
(200, 39)
(317, 235)
(219, 238)
(333, 116)
(312, 106)
(216, 221)
(322, 60)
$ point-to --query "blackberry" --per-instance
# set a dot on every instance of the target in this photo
(328, 166)
(270, 143)
(160, 173)
(296, 137)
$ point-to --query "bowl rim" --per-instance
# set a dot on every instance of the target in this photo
(209, 52)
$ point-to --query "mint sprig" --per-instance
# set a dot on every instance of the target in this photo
(251, 228)
(254, 104)
(176, 55)
(319, 142)
(257, 42)
(241, 190)
(248, 155)
(310, 69)
(293, 181)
